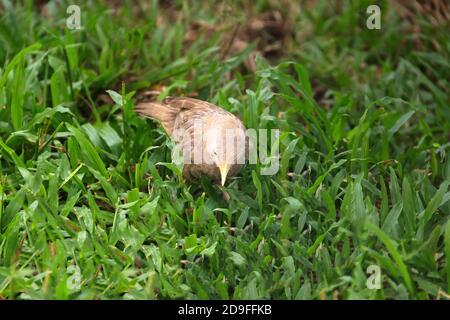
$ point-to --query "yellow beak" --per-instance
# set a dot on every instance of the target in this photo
(223, 172)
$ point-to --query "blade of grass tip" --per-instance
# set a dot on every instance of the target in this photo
(400, 122)
(127, 115)
(408, 206)
(258, 186)
(18, 162)
(69, 72)
(16, 60)
(434, 204)
(447, 253)
(92, 103)
(58, 87)
(41, 148)
(18, 95)
(394, 253)
(74, 172)
(89, 149)
(1, 199)
(384, 200)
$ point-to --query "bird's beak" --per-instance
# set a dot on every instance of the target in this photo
(223, 172)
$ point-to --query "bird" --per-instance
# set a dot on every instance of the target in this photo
(212, 140)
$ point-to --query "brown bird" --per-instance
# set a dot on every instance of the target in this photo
(213, 141)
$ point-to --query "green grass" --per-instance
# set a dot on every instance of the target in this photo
(91, 206)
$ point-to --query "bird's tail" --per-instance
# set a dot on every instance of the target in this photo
(162, 112)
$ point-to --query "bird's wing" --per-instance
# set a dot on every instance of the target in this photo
(176, 111)
(184, 103)
(191, 110)
(160, 111)
(179, 112)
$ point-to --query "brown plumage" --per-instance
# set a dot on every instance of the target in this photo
(212, 140)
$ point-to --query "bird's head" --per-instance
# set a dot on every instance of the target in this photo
(224, 145)
(215, 154)
(218, 152)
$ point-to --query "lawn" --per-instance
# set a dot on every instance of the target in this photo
(92, 207)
